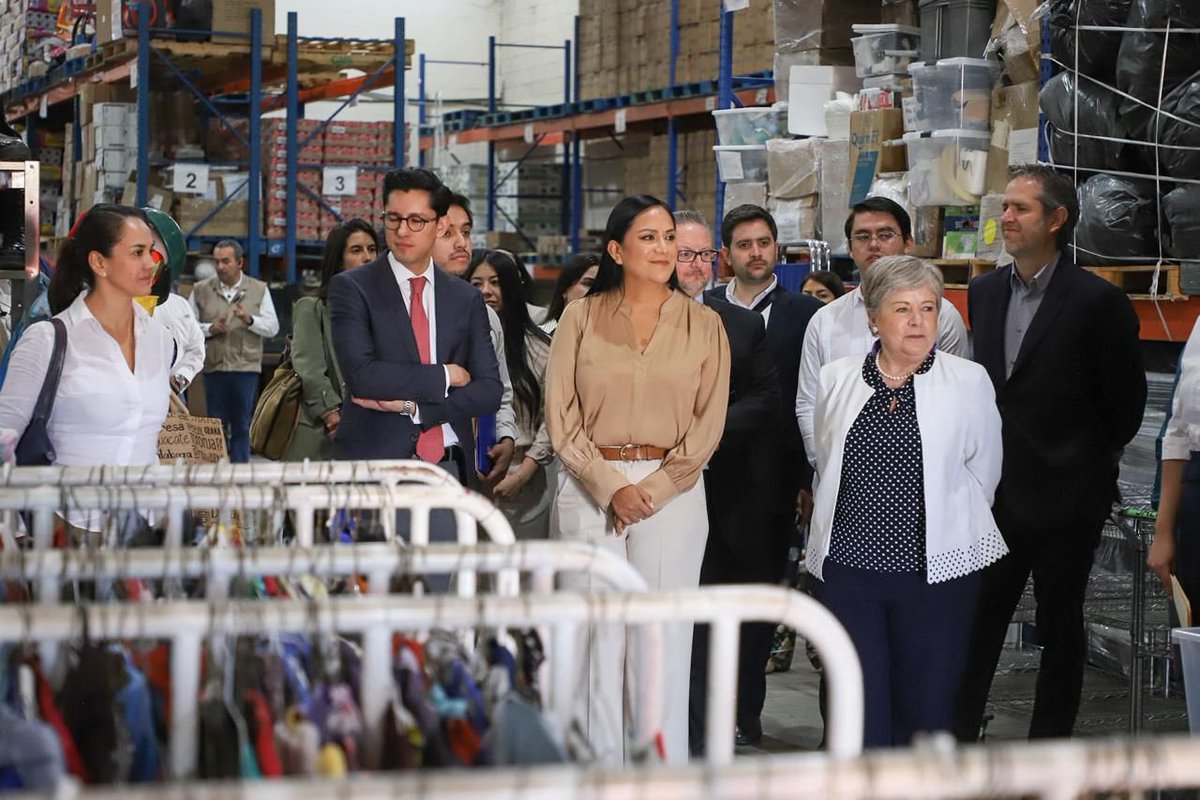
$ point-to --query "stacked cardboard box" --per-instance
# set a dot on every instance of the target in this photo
(109, 151)
(28, 34)
(625, 46)
(537, 206)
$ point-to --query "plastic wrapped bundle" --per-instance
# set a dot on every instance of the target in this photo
(1181, 208)
(1180, 132)
(1098, 116)
(1140, 68)
(1097, 50)
(1117, 221)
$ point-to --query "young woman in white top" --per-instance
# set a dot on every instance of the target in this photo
(112, 396)
(1176, 547)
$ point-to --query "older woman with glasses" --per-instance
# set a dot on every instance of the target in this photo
(908, 455)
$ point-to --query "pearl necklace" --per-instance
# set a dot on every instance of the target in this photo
(896, 378)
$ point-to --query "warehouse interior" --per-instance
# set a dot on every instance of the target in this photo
(273, 122)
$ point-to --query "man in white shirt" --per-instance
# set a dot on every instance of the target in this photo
(236, 313)
(876, 227)
(452, 254)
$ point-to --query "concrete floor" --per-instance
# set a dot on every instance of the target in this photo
(791, 719)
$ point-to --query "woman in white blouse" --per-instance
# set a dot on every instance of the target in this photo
(907, 455)
(1176, 547)
(112, 396)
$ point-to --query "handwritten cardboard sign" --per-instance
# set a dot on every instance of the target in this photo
(195, 440)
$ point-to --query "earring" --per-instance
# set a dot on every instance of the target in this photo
(875, 330)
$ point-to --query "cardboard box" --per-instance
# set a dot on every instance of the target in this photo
(229, 221)
(156, 196)
(871, 150)
(1018, 29)
(809, 89)
(233, 16)
(1014, 132)
(821, 28)
(927, 232)
(835, 194)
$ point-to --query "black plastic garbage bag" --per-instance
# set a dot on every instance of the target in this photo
(1140, 68)
(1117, 220)
(1097, 49)
(1098, 116)
(1181, 207)
(1179, 130)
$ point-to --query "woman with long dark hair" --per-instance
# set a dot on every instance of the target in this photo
(525, 493)
(351, 244)
(113, 391)
(575, 280)
(636, 392)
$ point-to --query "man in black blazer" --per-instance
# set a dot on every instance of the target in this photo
(1061, 346)
(760, 468)
(409, 399)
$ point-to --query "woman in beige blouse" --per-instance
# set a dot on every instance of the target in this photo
(636, 392)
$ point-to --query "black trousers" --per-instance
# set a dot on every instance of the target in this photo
(1187, 534)
(1060, 561)
(723, 566)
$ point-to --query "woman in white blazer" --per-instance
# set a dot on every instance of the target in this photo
(908, 457)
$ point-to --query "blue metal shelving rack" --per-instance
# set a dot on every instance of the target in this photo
(253, 243)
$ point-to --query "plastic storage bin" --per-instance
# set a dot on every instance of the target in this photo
(884, 49)
(954, 93)
(742, 163)
(1188, 640)
(955, 28)
(947, 168)
(738, 127)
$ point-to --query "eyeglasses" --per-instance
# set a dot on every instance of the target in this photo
(415, 223)
(688, 256)
(883, 237)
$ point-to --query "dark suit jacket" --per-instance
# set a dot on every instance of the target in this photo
(373, 339)
(790, 313)
(739, 482)
(1075, 398)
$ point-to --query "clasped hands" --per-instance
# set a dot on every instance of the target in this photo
(221, 326)
(630, 504)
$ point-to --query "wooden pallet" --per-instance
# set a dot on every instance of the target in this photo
(1136, 281)
(958, 274)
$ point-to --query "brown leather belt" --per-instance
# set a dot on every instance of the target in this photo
(632, 452)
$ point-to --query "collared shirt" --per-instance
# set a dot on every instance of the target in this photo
(404, 278)
(602, 389)
(758, 298)
(265, 323)
(1023, 304)
(1182, 435)
(176, 315)
(103, 413)
(841, 329)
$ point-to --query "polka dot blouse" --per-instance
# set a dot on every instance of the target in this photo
(879, 521)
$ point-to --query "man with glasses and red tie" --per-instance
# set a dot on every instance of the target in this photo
(876, 227)
(412, 342)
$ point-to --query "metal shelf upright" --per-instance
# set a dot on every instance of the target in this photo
(423, 99)
(538, 140)
(394, 68)
(254, 243)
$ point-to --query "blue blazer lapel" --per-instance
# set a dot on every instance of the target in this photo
(443, 304)
(392, 308)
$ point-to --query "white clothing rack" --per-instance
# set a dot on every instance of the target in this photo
(186, 623)
(383, 472)
(469, 507)
(1056, 770)
(378, 561)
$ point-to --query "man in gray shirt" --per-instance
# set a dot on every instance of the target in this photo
(1061, 346)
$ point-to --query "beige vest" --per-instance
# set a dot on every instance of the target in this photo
(238, 349)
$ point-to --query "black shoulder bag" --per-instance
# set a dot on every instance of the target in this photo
(35, 449)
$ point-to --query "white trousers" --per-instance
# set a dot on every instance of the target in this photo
(667, 549)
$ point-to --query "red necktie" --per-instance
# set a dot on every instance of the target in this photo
(430, 445)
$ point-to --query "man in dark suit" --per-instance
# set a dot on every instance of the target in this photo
(1061, 346)
(412, 342)
(759, 468)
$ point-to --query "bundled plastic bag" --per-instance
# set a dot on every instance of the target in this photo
(1181, 208)
(1097, 50)
(1117, 220)
(1140, 62)
(1181, 131)
(1098, 116)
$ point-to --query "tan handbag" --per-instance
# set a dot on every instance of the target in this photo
(277, 412)
(194, 440)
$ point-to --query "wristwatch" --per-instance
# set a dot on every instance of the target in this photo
(410, 408)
